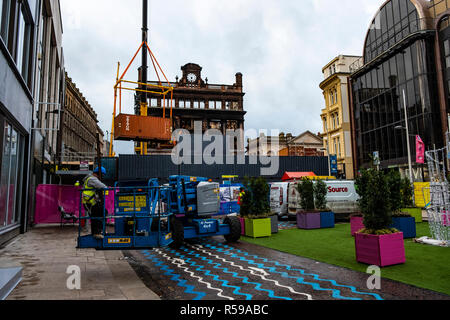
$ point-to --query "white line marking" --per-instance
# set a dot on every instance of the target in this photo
(253, 271)
(179, 263)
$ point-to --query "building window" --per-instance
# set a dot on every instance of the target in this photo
(339, 147)
(5, 9)
(447, 53)
(394, 22)
(337, 119)
(10, 178)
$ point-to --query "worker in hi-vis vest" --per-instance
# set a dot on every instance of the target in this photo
(93, 200)
(241, 195)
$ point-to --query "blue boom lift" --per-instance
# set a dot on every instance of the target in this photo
(158, 216)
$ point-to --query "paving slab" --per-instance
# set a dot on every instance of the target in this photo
(44, 255)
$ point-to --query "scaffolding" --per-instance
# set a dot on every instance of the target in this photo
(438, 208)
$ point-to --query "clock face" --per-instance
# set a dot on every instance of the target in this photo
(191, 77)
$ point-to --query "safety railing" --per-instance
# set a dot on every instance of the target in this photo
(157, 201)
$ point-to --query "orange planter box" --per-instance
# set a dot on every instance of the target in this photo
(142, 128)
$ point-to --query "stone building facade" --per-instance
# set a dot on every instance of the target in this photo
(216, 106)
(79, 128)
(336, 114)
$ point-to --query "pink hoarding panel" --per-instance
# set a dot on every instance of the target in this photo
(49, 197)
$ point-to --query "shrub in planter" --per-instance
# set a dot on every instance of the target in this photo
(377, 244)
(320, 201)
(308, 217)
(255, 204)
(407, 201)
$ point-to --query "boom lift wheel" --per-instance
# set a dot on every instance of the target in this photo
(177, 233)
(235, 229)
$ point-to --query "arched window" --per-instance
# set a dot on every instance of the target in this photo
(395, 21)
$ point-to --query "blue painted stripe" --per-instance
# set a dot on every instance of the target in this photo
(217, 265)
(174, 277)
(208, 273)
(315, 276)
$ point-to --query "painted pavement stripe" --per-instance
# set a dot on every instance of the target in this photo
(208, 273)
(336, 293)
(174, 277)
(253, 272)
(258, 285)
(180, 264)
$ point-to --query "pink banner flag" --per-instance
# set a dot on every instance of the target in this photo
(420, 150)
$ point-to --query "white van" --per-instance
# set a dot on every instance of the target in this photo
(279, 198)
(341, 197)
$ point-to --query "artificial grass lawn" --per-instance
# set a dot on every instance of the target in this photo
(426, 266)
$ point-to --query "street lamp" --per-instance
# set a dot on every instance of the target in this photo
(407, 138)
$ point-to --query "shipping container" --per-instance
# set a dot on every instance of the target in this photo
(142, 128)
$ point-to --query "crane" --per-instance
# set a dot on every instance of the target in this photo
(139, 127)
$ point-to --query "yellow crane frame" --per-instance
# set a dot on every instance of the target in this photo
(160, 89)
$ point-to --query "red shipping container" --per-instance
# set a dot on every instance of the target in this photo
(142, 128)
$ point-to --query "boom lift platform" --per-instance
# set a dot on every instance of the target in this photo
(158, 216)
(139, 219)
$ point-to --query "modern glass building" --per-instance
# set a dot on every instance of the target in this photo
(406, 59)
(17, 62)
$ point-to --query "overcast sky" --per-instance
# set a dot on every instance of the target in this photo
(280, 47)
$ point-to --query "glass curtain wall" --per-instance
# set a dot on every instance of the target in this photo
(394, 22)
(379, 105)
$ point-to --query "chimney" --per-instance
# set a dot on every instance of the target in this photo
(239, 80)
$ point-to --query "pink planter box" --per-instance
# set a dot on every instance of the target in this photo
(356, 224)
(383, 250)
(242, 220)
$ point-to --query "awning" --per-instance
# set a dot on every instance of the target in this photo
(297, 175)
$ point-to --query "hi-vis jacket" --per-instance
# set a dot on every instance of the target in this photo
(90, 185)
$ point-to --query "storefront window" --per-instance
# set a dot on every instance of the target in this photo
(11, 176)
(4, 179)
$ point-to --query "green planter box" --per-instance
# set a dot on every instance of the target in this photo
(258, 228)
(414, 212)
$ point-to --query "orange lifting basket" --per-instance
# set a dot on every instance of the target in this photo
(130, 127)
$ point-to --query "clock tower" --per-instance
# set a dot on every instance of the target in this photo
(192, 75)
